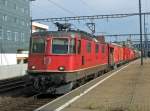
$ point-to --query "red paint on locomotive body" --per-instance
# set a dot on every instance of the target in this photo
(117, 53)
(64, 57)
(88, 53)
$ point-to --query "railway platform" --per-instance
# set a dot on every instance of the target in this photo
(126, 89)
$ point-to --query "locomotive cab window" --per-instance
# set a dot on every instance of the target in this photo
(60, 46)
(38, 46)
(63, 46)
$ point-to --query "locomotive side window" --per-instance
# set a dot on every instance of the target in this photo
(60, 46)
(103, 49)
(72, 46)
(96, 48)
(88, 47)
(79, 46)
(38, 46)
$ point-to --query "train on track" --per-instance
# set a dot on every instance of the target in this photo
(60, 60)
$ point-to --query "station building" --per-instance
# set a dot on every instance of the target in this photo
(14, 29)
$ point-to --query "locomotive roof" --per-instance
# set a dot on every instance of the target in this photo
(117, 44)
(61, 33)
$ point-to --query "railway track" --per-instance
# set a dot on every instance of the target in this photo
(22, 103)
(12, 84)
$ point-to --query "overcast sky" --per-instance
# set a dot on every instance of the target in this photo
(64, 8)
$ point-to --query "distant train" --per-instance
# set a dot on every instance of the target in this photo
(60, 60)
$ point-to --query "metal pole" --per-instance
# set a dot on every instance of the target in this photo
(30, 43)
(145, 39)
(141, 44)
(146, 29)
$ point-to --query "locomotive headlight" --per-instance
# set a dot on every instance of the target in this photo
(33, 67)
(61, 68)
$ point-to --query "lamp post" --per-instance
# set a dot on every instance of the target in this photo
(141, 44)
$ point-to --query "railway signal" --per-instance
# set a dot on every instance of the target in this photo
(141, 44)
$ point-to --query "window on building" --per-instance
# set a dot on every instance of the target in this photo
(16, 36)
(15, 7)
(88, 47)
(1, 33)
(22, 36)
(139, 45)
(23, 10)
(8, 35)
(27, 24)
(4, 2)
(148, 45)
(5, 17)
(22, 22)
(15, 19)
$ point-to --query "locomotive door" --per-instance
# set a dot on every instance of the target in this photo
(80, 52)
(111, 56)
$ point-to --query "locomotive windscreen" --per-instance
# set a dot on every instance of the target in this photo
(38, 46)
(60, 46)
(63, 46)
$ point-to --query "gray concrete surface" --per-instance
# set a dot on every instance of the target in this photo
(11, 71)
(129, 90)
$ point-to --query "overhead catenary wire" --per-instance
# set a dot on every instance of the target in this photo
(38, 6)
(61, 7)
(87, 5)
(122, 35)
(91, 17)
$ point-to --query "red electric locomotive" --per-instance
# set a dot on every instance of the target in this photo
(59, 60)
(62, 58)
